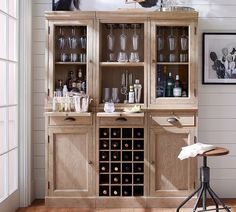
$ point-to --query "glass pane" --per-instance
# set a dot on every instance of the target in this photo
(12, 8)
(12, 84)
(12, 39)
(3, 5)
(3, 140)
(13, 171)
(12, 127)
(3, 177)
(3, 80)
(3, 49)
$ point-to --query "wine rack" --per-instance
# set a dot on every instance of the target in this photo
(121, 162)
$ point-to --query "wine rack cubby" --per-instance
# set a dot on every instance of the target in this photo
(121, 162)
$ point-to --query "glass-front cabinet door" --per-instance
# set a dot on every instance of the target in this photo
(69, 57)
(173, 64)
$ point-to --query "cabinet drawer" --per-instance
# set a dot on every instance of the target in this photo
(70, 120)
(124, 121)
(173, 120)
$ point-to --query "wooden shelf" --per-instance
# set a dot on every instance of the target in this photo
(119, 64)
(172, 63)
(70, 63)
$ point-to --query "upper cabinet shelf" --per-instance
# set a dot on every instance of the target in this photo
(122, 64)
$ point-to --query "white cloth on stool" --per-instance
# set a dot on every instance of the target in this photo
(193, 150)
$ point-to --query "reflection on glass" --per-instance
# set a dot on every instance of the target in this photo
(160, 40)
(83, 40)
(61, 40)
(73, 40)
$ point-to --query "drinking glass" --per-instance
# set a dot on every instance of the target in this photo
(123, 38)
(172, 40)
(184, 41)
(135, 39)
(110, 39)
(114, 95)
(106, 94)
(73, 40)
(122, 57)
(83, 39)
(160, 40)
(61, 40)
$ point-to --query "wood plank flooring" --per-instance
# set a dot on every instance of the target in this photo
(38, 206)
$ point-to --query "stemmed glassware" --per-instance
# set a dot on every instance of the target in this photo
(111, 43)
(61, 40)
(160, 44)
(73, 40)
(122, 56)
(184, 41)
(134, 56)
(83, 39)
(172, 45)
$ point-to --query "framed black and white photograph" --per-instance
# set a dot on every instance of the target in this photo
(219, 58)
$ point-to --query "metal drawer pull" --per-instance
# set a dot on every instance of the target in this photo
(121, 119)
(172, 120)
(69, 118)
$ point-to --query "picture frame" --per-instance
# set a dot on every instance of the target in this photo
(219, 58)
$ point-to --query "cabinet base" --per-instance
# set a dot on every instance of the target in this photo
(116, 202)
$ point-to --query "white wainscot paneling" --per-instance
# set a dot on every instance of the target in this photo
(217, 99)
(218, 24)
(39, 124)
(38, 98)
(39, 74)
(39, 9)
(217, 124)
(38, 35)
(39, 136)
(224, 188)
(38, 23)
(221, 112)
(42, 1)
(223, 174)
(39, 85)
(38, 111)
(39, 149)
(216, 89)
(39, 189)
(38, 47)
(39, 162)
(222, 162)
(39, 60)
(217, 137)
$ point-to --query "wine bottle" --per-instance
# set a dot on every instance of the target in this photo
(103, 168)
(104, 155)
(115, 179)
(115, 155)
(177, 90)
(104, 191)
(115, 192)
(169, 85)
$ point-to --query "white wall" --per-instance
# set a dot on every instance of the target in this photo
(217, 103)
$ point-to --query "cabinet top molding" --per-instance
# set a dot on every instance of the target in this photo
(133, 14)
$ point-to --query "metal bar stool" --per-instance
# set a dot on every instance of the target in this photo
(205, 184)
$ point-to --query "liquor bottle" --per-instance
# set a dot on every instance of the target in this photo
(169, 85)
(161, 83)
(70, 80)
(59, 89)
(74, 88)
(177, 90)
(131, 94)
(79, 81)
(64, 91)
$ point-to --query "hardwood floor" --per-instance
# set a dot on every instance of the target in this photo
(38, 206)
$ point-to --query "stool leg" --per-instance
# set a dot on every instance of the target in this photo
(218, 199)
(204, 198)
(212, 196)
(188, 198)
(198, 198)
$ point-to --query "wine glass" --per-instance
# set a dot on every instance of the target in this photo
(135, 39)
(171, 40)
(160, 40)
(83, 39)
(110, 39)
(184, 41)
(123, 38)
(73, 40)
(61, 40)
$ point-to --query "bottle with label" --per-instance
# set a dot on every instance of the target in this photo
(131, 94)
(177, 90)
(79, 81)
(161, 83)
(169, 85)
(74, 88)
(64, 91)
(70, 80)
(59, 89)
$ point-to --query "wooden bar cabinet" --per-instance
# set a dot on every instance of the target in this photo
(124, 158)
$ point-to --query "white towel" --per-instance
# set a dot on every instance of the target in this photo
(193, 150)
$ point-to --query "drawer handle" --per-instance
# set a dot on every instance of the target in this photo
(172, 120)
(90, 162)
(121, 119)
(69, 118)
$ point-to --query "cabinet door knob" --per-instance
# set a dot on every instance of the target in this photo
(69, 118)
(172, 120)
(90, 162)
(121, 119)
(152, 162)
(153, 61)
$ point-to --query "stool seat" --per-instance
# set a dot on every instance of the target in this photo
(218, 151)
(205, 184)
